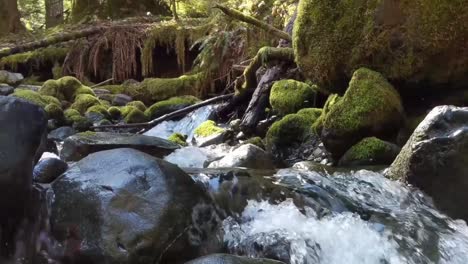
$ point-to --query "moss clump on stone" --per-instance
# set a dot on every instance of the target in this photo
(370, 151)
(114, 89)
(178, 139)
(66, 88)
(138, 104)
(418, 40)
(36, 98)
(83, 102)
(54, 111)
(71, 115)
(36, 57)
(318, 124)
(158, 89)
(114, 112)
(100, 109)
(134, 115)
(370, 107)
(75, 119)
(208, 128)
(293, 128)
(175, 103)
(257, 141)
(289, 96)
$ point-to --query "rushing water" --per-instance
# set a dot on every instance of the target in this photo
(353, 217)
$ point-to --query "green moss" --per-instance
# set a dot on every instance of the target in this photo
(404, 40)
(57, 71)
(36, 98)
(36, 57)
(134, 115)
(257, 141)
(54, 111)
(175, 103)
(75, 119)
(367, 149)
(292, 128)
(114, 112)
(318, 124)
(264, 55)
(138, 104)
(312, 114)
(158, 89)
(114, 89)
(66, 88)
(83, 102)
(178, 139)
(208, 128)
(101, 109)
(289, 96)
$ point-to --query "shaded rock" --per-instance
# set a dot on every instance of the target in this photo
(121, 100)
(231, 259)
(370, 107)
(29, 87)
(99, 91)
(129, 207)
(5, 89)
(22, 140)
(10, 77)
(370, 151)
(47, 170)
(248, 156)
(208, 133)
(80, 145)
(61, 133)
(435, 159)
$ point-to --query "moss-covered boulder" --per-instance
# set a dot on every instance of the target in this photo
(208, 133)
(318, 124)
(35, 97)
(175, 103)
(83, 102)
(138, 104)
(78, 122)
(54, 111)
(100, 109)
(114, 112)
(208, 128)
(370, 151)
(289, 96)
(178, 139)
(66, 88)
(132, 115)
(370, 107)
(410, 41)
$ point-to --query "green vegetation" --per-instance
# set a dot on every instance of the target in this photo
(36, 98)
(66, 88)
(208, 128)
(257, 141)
(37, 57)
(370, 151)
(164, 107)
(178, 139)
(54, 111)
(83, 102)
(138, 104)
(289, 96)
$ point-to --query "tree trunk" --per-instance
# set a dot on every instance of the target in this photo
(9, 17)
(54, 12)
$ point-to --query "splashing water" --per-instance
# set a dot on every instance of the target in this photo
(358, 217)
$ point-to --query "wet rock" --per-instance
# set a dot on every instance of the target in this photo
(80, 145)
(61, 133)
(22, 140)
(231, 259)
(47, 170)
(248, 156)
(94, 117)
(129, 207)
(121, 100)
(370, 151)
(10, 77)
(5, 89)
(435, 159)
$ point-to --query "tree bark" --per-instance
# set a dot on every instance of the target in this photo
(54, 12)
(253, 21)
(9, 17)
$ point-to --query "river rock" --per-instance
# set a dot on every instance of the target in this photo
(121, 100)
(61, 133)
(370, 151)
(248, 156)
(10, 77)
(30, 87)
(80, 145)
(435, 159)
(6, 89)
(47, 170)
(22, 139)
(231, 259)
(125, 206)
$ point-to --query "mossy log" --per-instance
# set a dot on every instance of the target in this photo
(253, 21)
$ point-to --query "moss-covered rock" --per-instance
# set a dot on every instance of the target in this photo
(257, 141)
(292, 128)
(175, 103)
(410, 41)
(208, 128)
(54, 111)
(318, 124)
(74, 118)
(114, 112)
(178, 139)
(114, 89)
(83, 102)
(100, 109)
(289, 96)
(370, 151)
(133, 115)
(138, 104)
(36, 98)
(66, 88)
(370, 107)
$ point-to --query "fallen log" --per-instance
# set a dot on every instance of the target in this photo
(253, 21)
(148, 125)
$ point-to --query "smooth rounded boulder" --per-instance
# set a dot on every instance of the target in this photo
(125, 206)
(22, 138)
(435, 159)
(49, 169)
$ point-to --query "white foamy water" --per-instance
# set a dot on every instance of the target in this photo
(195, 157)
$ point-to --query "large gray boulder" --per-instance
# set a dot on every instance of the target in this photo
(435, 159)
(124, 206)
(248, 156)
(22, 133)
(10, 77)
(80, 145)
(231, 259)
